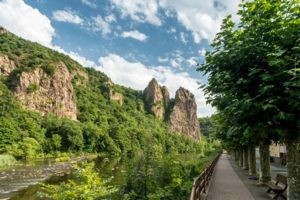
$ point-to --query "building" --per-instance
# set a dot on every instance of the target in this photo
(278, 153)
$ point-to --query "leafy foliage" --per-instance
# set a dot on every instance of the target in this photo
(250, 79)
(32, 88)
(154, 175)
(86, 185)
(208, 126)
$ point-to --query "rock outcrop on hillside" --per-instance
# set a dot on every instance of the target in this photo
(183, 116)
(156, 99)
(182, 112)
(114, 95)
(45, 93)
(6, 65)
(3, 30)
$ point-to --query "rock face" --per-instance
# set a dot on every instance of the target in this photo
(6, 65)
(183, 116)
(180, 113)
(3, 30)
(43, 93)
(113, 95)
(156, 99)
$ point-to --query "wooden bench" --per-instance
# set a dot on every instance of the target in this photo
(275, 188)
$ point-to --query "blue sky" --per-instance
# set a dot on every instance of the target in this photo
(131, 41)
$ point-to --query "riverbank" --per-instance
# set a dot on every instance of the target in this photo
(18, 177)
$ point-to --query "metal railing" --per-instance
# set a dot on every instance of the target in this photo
(201, 182)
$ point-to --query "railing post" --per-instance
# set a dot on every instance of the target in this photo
(200, 183)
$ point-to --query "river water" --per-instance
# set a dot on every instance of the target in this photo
(15, 179)
(20, 182)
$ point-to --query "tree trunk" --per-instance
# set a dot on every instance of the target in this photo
(293, 170)
(252, 160)
(241, 158)
(245, 159)
(237, 156)
(264, 156)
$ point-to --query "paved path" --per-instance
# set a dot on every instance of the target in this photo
(226, 184)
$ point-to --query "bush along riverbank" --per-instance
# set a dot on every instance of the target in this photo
(150, 174)
(6, 160)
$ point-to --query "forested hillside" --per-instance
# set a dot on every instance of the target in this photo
(101, 124)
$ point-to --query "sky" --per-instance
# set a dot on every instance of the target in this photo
(131, 41)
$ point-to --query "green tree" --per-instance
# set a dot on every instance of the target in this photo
(254, 77)
(56, 142)
(71, 133)
(30, 147)
(87, 185)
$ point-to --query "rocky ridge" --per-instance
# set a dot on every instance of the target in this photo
(45, 93)
(156, 99)
(41, 92)
(114, 95)
(180, 113)
(6, 65)
(183, 116)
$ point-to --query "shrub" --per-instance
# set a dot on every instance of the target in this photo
(6, 160)
(32, 88)
(49, 69)
(86, 184)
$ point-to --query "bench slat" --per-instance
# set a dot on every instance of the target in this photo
(273, 187)
(281, 179)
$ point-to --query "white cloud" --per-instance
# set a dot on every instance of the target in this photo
(82, 60)
(136, 75)
(135, 35)
(98, 24)
(90, 3)
(176, 59)
(74, 55)
(175, 63)
(139, 10)
(29, 23)
(182, 37)
(192, 61)
(202, 17)
(161, 60)
(66, 15)
(110, 18)
(172, 30)
(196, 37)
(202, 52)
(25, 21)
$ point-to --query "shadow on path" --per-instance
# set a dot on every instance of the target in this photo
(259, 193)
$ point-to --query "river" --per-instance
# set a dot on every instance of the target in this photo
(15, 179)
(20, 182)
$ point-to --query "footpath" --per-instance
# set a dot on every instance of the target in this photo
(230, 182)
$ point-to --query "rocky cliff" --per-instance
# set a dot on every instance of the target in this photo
(183, 116)
(114, 95)
(6, 65)
(182, 112)
(41, 92)
(156, 99)
(45, 93)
